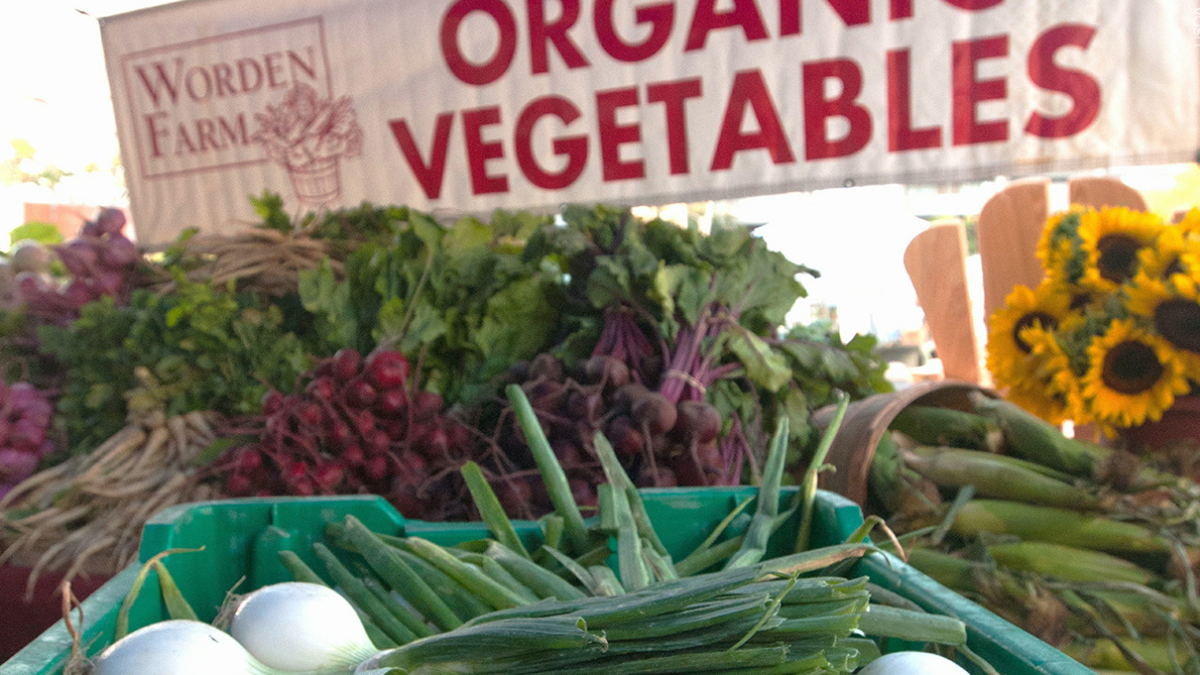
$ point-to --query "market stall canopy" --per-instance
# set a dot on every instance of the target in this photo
(455, 106)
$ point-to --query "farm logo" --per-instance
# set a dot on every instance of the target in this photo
(195, 106)
(308, 135)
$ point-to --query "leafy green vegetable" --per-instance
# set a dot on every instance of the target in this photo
(468, 300)
(198, 349)
(462, 299)
(42, 233)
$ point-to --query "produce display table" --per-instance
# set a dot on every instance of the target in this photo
(27, 617)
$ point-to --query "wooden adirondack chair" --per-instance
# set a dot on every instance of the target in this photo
(1009, 227)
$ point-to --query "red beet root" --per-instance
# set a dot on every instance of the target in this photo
(247, 459)
(346, 363)
(546, 367)
(568, 453)
(460, 438)
(376, 468)
(339, 433)
(607, 369)
(238, 485)
(329, 474)
(387, 369)
(353, 455)
(304, 488)
(360, 393)
(396, 429)
(378, 442)
(109, 221)
(625, 439)
(584, 405)
(697, 421)
(583, 492)
(311, 415)
(364, 421)
(426, 405)
(624, 397)
(295, 472)
(661, 477)
(321, 388)
(437, 443)
(391, 402)
(514, 495)
(656, 412)
(273, 402)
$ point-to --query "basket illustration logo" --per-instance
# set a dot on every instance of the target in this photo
(309, 135)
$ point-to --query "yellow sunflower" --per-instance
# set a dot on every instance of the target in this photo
(1111, 240)
(1191, 223)
(1049, 388)
(1172, 305)
(1169, 255)
(1040, 401)
(1047, 307)
(1057, 241)
(1133, 376)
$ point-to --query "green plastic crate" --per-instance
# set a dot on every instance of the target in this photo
(242, 537)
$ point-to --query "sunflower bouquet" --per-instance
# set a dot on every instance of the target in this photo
(1111, 336)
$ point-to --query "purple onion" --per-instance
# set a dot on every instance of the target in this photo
(78, 294)
(30, 287)
(107, 282)
(26, 435)
(79, 257)
(17, 465)
(109, 221)
(23, 394)
(117, 251)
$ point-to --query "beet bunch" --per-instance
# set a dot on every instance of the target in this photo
(660, 443)
(357, 427)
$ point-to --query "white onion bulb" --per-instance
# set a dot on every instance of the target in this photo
(298, 626)
(176, 647)
(912, 663)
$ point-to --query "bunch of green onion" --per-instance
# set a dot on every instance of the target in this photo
(496, 606)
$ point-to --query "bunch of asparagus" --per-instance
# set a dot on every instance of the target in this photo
(1090, 548)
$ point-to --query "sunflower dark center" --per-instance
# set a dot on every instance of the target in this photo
(1178, 321)
(1031, 319)
(1118, 253)
(1080, 300)
(1131, 368)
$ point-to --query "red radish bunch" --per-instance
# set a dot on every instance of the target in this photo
(100, 261)
(24, 421)
(357, 427)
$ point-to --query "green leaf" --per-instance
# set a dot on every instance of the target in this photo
(43, 233)
(322, 295)
(795, 406)
(690, 288)
(609, 283)
(764, 366)
(428, 325)
(427, 229)
(391, 319)
(467, 242)
(662, 290)
(518, 322)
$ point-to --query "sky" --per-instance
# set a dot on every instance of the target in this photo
(53, 84)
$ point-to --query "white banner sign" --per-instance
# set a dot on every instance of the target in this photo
(471, 105)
